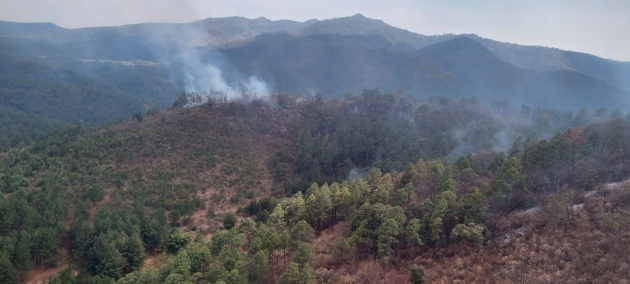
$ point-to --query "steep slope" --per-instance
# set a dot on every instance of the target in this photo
(233, 31)
(119, 196)
(336, 64)
(528, 57)
(611, 71)
(549, 59)
(488, 77)
(38, 96)
(42, 90)
(332, 56)
(150, 41)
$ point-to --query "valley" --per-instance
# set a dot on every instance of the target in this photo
(346, 150)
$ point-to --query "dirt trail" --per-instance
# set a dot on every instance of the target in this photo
(39, 275)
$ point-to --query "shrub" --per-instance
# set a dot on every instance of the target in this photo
(229, 222)
(417, 275)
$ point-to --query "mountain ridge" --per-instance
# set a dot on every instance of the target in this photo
(333, 57)
(212, 31)
(484, 73)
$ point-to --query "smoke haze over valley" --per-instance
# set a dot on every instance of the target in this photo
(337, 56)
(142, 66)
(197, 142)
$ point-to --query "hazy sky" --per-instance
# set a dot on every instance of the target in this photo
(597, 27)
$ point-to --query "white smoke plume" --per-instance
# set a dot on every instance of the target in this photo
(207, 78)
(355, 174)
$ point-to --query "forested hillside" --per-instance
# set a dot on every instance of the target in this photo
(334, 65)
(373, 188)
(42, 90)
(53, 77)
(486, 76)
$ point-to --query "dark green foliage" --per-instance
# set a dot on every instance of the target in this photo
(178, 268)
(257, 207)
(102, 280)
(291, 275)
(45, 246)
(147, 276)
(104, 258)
(67, 277)
(387, 236)
(509, 179)
(218, 241)
(417, 275)
(229, 221)
(181, 101)
(259, 270)
(21, 258)
(385, 130)
(296, 275)
(95, 193)
(470, 232)
(200, 257)
(155, 230)
(119, 201)
(138, 116)
(109, 245)
(304, 255)
(7, 272)
(301, 233)
(177, 241)
(41, 94)
(132, 249)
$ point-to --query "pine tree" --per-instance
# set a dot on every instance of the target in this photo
(318, 206)
(181, 265)
(508, 178)
(132, 249)
(387, 237)
(229, 222)
(412, 235)
(293, 209)
(21, 252)
(233, 277)
(259, 269)
(302, 232)
(200, 257)
(277, 218)
(104, 259)
(291, 275)
(177, 241)
(155, 230)
(307, 275)
(470, 232)
(303, 255)
(44, 247)
(7, 272)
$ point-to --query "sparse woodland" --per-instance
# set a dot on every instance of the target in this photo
(373, 188)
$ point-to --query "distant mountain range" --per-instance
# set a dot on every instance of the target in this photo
(222, 32)
(331, 56)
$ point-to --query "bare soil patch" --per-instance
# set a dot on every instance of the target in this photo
(41, 274)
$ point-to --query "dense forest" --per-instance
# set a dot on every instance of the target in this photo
(372, 188)
(46, 90)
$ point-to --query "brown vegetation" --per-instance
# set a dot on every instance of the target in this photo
(531, 247)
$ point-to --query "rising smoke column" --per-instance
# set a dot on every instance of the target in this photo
(199, 76)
